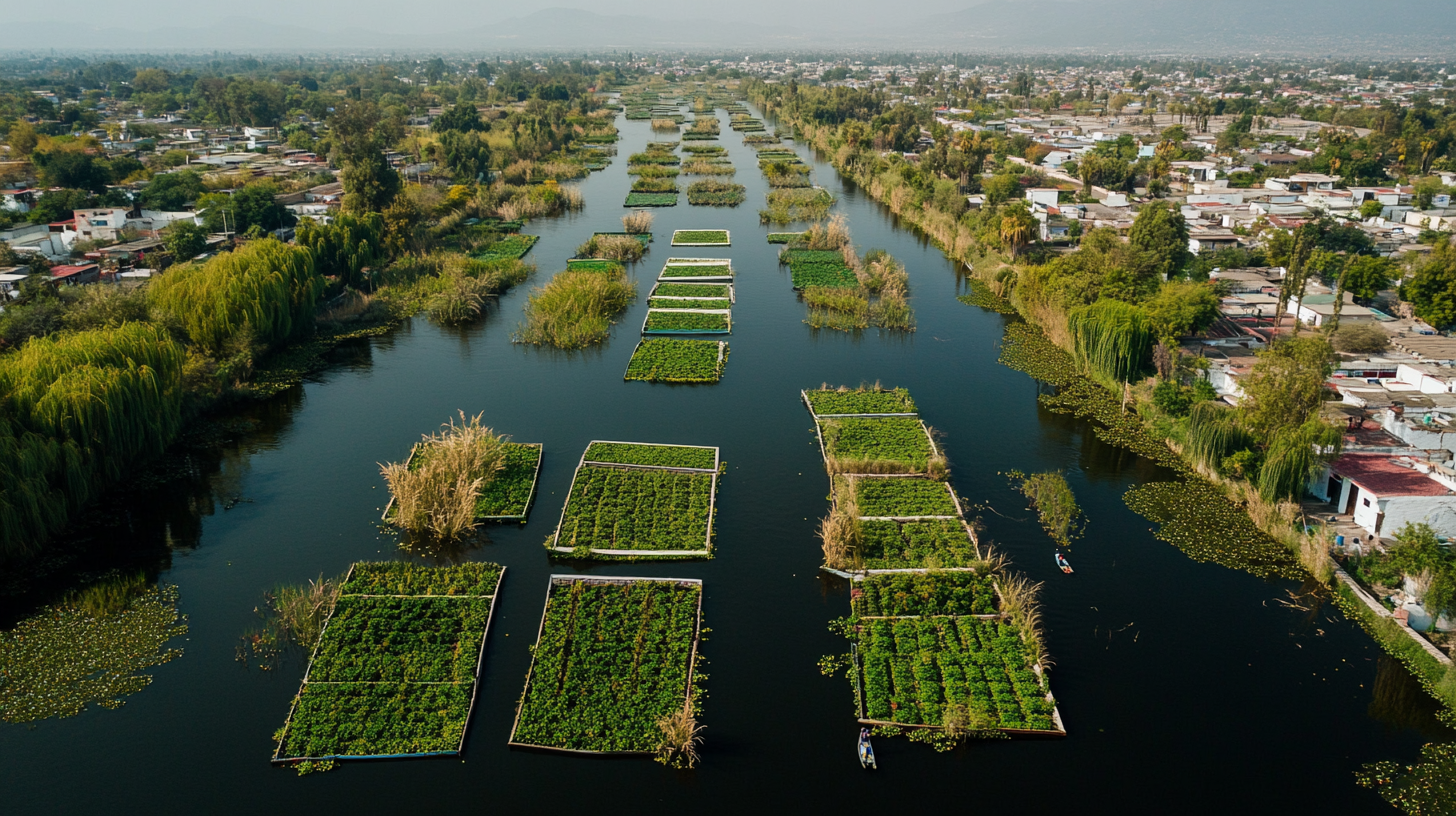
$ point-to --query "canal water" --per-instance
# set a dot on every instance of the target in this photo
(1185, 687)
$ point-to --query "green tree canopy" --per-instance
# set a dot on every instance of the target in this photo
(1287, 385)
(172, 191)
(1181, 308)
(1432, 288)
(460, 119)
(1367, 276)
(1160, 230)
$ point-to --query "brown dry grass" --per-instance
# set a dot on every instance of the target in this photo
(437, 497)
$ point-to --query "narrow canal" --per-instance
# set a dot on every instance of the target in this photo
(1185, 687)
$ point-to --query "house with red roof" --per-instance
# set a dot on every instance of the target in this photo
(1384, 492)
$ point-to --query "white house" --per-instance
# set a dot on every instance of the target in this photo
(102, 224)
(1384, 492)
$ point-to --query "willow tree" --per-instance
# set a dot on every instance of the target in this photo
(1214, 433)
(78, 410)
(264, 292)
(1113, 339)
(1294, 456)
(346, 247)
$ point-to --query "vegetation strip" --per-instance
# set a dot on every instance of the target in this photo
(700, 238)
(674, 360)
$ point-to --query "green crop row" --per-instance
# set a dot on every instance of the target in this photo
(650, 200)
(914, 670)
(863, 400)
(509, 493)
(700, 236)
(693, 303)
(377, 719)
(713, 290)
(936, 544)
(508, 247)
(623, 509)
(401, 578)
(612, 661)
(697, 271)
(671, 321)
(889, 439)
(924, 594)
(671, 456)
(784, 237)
(899, 497)
(412, 640)
(813, 267)
(645, 184)
(676, 361)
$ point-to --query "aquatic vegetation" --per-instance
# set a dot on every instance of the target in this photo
(666, 322)
(680, 361)
(1196, 517)
(1026, 349)
(982, 296)
(924, 594)
(437, 491)
(66, 657)
(628, 650)
(784, 237)
(1422, 789)
(638, 223)
(786, 205)
(395, 671)
(692, 290)
(622, 248)
(576, 308)
(700, 237)
(512, 247)
(715, 193)
(1054, 502)
(863, 400)
(813, 267)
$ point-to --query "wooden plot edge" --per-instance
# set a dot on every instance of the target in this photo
(551, 582)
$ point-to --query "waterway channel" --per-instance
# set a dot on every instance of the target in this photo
(1185, 687)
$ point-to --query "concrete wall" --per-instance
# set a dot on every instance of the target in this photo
(1437, 511)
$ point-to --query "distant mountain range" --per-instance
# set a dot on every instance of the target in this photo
(1297, 27)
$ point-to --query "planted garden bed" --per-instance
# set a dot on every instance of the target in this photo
(640, 501)
(916, 671)
(818, 267)
(898, 440)
(644, 238)
(701, 238)
(696, 269)
(509, 247)
(709, 192)
(678, 321)
(594, 265)
(784, 237)
(923, 595)
(396, 668)
(627, 651)
(693, 290)
(904, 498)
(673, 360)
(508, 494)
(859, 401)
(650, 200)
(688, 303)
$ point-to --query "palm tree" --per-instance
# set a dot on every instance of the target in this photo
(1017, 230)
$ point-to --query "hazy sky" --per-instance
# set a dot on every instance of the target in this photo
(423, 15)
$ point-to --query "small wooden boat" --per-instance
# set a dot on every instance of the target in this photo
(1062, 562)
(866, 751)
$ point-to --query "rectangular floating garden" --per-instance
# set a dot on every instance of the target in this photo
(687, 320)
(509, 247)
(594, 265)
(818, 267)
(916, 545)
(635, 501)
(784, 237)
(509, 493)
(696, 269)
(897, 595)
(876, 444)
(914, 671)
(397, 666)
(862, 401)
(904, 498)
(643, 238)
(700, 238)
(613, 657)
(688, 303)
(650, 200)
(673, 360)
(693, 290)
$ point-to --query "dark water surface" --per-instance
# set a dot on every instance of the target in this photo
(1185, 687)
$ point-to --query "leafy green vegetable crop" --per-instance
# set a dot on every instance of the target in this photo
(914, 668)
(620, 509)
(680, 237)
(818, 267)
(650, 200)
(674, 360)
(401, 578)
(861, 401)
(722, 270)
(921, 594)
(508, 247)
(678, 303)
(624, 652)
(903, 497)
(375, 719)
(417, 640)
(915, 545)
(713, 290)
(671, 456)
(669, 321)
